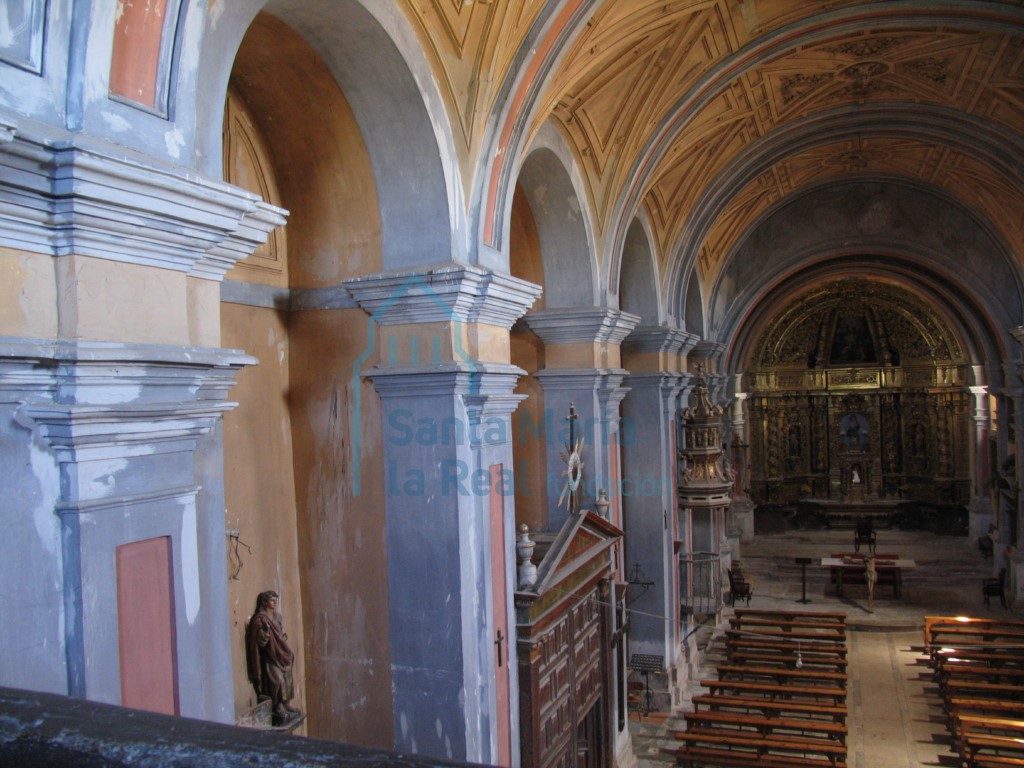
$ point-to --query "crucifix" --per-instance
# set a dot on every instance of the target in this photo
(573, 473)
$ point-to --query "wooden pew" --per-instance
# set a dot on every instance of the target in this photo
(968, 621)
(983, 653)
(782, 727)
(717, 702)
(958, 705)
(971, 726)
(978, 749)
(996, 673)
(956, 631)
(958, 687)
(780, 635)
(789, 660)
(772, 691)
(782, 675)
(787, 626)
(721, 749)
(839, 618)
(745, 642)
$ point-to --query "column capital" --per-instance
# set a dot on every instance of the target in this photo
(446, 292)
(581, 325)
(656, 349)
(578, 379)
(658, 338)
(709, 352)
(467, 379)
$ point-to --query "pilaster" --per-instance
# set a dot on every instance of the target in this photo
(653, 356)
(130, 437)
(447, 398)
(583, 370)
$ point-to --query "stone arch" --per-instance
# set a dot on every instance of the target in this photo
(639, 292)
(892, 228)
(693, 307)
(563, 225)
(378, 64)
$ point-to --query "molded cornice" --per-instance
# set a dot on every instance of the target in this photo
(449, 292)
(574, 325)
(60, 197)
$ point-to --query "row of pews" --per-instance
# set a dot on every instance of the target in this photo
(978, 665)
(779, 701)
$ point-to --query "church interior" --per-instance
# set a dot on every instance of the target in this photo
(487, 337)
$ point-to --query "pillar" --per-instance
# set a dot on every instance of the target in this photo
(649, 415)
(583, 369)
(446, 389)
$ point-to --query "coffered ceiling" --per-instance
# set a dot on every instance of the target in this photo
(710, 113)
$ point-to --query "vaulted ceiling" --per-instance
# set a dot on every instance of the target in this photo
(710, 113)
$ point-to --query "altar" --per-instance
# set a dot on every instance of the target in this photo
(850, 568)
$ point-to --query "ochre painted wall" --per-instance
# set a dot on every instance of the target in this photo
(28, 295)
(293, 135)
(527, 350)
(260, 488)
(337, 436)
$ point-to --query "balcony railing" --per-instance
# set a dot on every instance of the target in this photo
(700, 585)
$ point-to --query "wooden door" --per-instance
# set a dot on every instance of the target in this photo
(502, 644)
(146, 627)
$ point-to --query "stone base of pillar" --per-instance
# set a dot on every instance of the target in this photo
(980, 517)
(1014, 579)
(743, 519)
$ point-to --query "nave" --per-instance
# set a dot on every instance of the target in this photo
(895, 714)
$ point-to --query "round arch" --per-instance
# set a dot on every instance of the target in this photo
(378, 63)
(639, 286)
(987, 145)
(905, 230)
(563, 223)
(962, 15)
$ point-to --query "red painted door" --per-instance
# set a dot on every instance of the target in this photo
(145, 626)
(503, 644)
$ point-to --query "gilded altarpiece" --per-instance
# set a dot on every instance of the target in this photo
(858, 394)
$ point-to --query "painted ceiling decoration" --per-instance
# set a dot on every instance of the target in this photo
(663, 102)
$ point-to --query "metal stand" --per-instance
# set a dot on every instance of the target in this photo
(803, 562)
(646, 663)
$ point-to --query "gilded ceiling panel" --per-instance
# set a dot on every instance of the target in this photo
(906, 326)
(629, 66)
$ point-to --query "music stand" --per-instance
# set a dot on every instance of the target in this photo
(646, 663)
(803, 562)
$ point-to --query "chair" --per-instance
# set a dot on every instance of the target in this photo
(995, 587)
(864, 534)
(739, 587)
